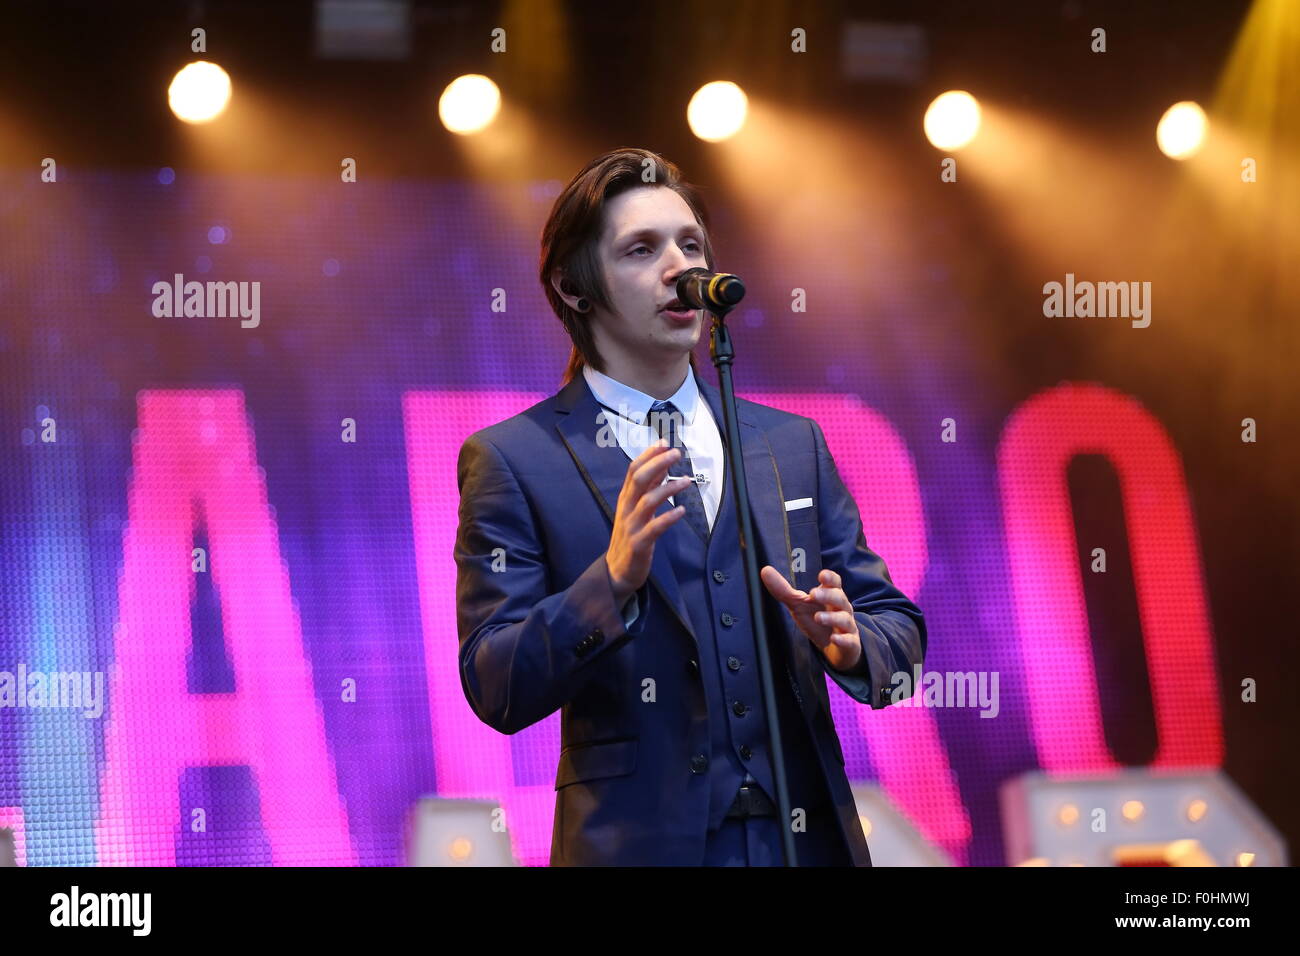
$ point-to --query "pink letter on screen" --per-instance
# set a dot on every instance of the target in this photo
(198, 445)
(880, 475)
(471, 760)
(1040, 439)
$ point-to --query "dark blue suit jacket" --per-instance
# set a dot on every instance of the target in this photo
(539, 629)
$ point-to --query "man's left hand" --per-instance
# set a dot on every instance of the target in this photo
(825, 615)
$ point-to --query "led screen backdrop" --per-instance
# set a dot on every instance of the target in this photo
(226, 549)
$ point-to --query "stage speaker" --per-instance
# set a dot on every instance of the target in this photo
(1135, 817)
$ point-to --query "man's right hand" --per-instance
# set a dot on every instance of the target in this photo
(636, 529)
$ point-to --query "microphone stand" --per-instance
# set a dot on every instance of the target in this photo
(722, 354)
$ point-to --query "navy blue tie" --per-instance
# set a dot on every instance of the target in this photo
(667, 420)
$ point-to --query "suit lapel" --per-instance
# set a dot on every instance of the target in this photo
(603, 466)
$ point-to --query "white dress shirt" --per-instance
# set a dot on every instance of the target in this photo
(634, 433)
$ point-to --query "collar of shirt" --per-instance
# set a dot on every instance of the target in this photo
(633, 405)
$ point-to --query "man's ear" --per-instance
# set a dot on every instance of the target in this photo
(564, 288)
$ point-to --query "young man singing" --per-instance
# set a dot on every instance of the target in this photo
(622, 599)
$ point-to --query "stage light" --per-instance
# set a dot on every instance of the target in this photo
(1185, 852)
(952, 120)
(1164, 819)
(469, 104)
(1181, 131)
(199, 92)
(449, 832)
(717, 111)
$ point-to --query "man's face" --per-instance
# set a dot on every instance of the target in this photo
(650, 238)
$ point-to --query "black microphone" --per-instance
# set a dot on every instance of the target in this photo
(716, 291)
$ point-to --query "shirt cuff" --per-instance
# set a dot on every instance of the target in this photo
(631, 611)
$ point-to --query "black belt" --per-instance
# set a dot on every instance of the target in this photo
(751, 801)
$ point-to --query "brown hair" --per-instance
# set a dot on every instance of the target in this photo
(572, 233)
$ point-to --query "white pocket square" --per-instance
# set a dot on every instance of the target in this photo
(794, 504)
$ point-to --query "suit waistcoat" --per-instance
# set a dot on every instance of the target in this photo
(711, 576)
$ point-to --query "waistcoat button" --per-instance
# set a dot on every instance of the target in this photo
(719, 577)
(733, 663)
(699, 763)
